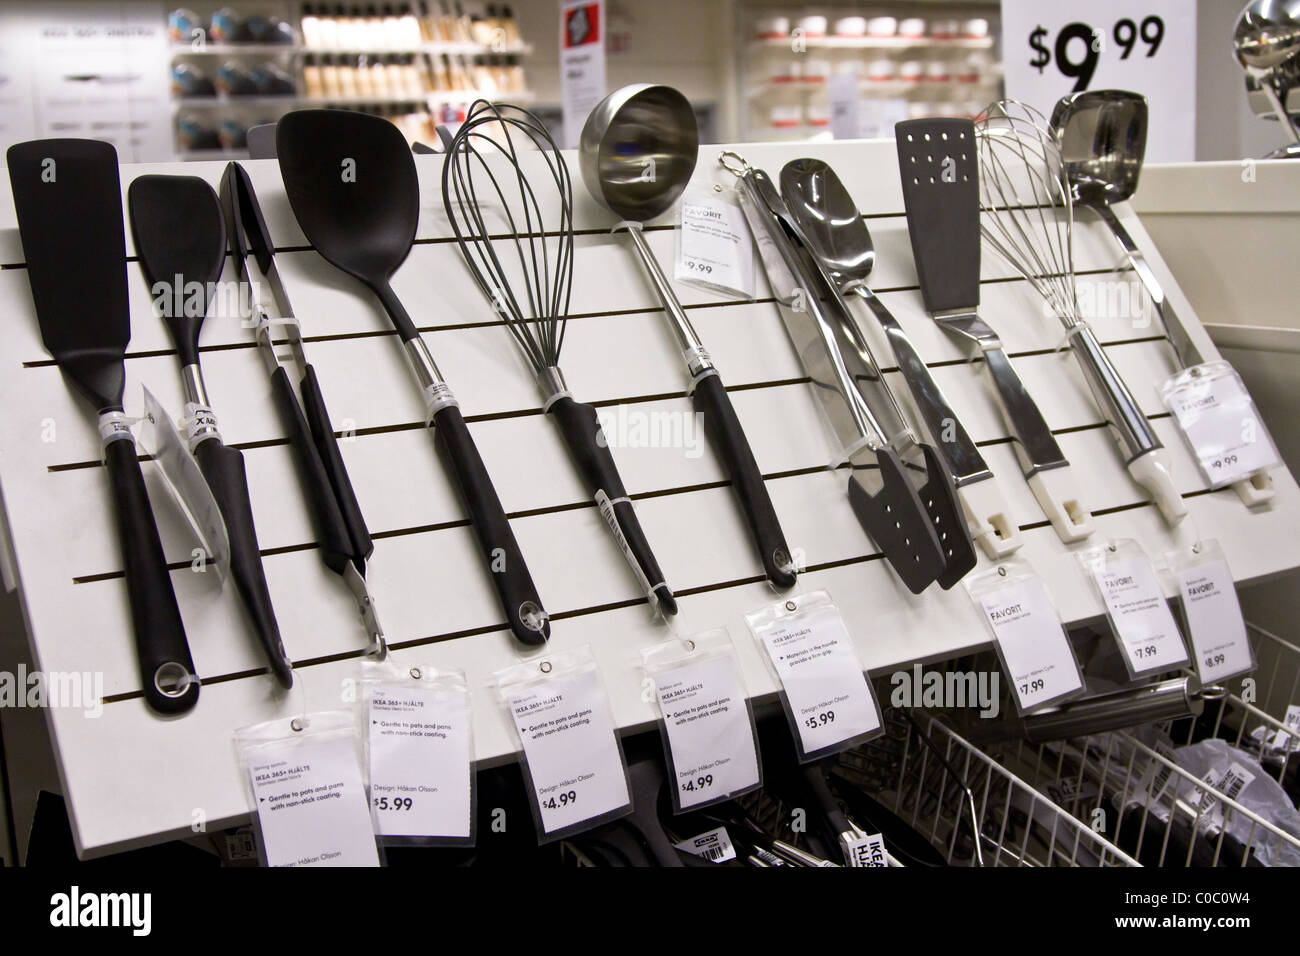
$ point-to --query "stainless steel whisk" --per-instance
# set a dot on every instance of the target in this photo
(1028, 220)
(484, 167)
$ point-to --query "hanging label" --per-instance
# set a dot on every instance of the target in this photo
(611, 519)
(1230, 783)
(712, 845)
(582, 63)
(419, 760)
(1220, 423)
(866, 851)
(311, 803)
(1214, 620)
(1138, 612)
(1289, 742)
(1030, 640)
(574, 762)
(710, 737)
(827, 697)
(714, 246)
(843, 93)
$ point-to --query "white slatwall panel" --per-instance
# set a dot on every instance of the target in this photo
(433, 596)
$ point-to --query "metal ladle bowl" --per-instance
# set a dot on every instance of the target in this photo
(1266, 40)
(638, 150)
(1102, 136)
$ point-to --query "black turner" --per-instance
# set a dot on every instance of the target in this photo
(181, 240)
(69, 206)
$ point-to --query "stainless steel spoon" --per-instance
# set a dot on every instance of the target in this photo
(1266, 38)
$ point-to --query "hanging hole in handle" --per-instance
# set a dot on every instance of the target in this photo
(172, 679)
(791, 606)
(545, 667)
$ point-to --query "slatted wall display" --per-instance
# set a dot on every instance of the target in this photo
(133, 778)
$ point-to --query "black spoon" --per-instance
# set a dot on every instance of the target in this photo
(352, 184)
(180, 237)
(69, 206)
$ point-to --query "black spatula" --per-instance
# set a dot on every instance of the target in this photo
(181, 240)
(353, 187)
(69, 207)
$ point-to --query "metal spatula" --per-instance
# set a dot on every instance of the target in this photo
(69, 206)
(181, 240)
(939, 167)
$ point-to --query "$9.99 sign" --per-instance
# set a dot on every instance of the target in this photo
(1052, 49)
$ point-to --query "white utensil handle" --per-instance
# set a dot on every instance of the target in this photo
(1151, 471)
(1058, 496)
(989, 518)
(1256, 489)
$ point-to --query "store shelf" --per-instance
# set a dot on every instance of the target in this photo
(451, 49)
(875, 43)
(218, 102)
(772, 87)
(232, 49)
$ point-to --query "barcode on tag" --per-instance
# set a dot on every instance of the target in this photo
(712, 845)
(1231, 782)
(240, 845)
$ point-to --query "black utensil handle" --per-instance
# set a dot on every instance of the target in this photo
(322, 433)
(580, 428)
(496, 541)
(729, 443)
(224, 470)
(332, 533)
(160, 644)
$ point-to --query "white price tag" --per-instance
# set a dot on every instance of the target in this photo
(714, 246)
(867, 851)
(1281, 739)
(1031, 642)
(709, 732)
(1147, 633)
(311, 804)
(1230, 783)
(1218, 418)
(829, 699)
(419, 760)
(843, 93)
(1214, 620)
(573, 757)
(582, 63)
(712, 845)
(1052, 49)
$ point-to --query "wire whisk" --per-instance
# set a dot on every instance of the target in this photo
(484, 170)
(1029, 210)
(544, 260)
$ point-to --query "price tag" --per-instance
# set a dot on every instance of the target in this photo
(710, 737)
(1030, 640)
(1283, 740)
(419, 760)
(712, 845)
(1052, 49)
(827, 697)
(311, 803)
(866, 851)
(1220, 423)
(1230, 783)
(714, 245)
(1139, 614)
(1214, 620)
(574, 764)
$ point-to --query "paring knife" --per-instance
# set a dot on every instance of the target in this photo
(345, 544)
(897, 488)
(941, 196)
(181, 241)
(840, 239)
(69, 205)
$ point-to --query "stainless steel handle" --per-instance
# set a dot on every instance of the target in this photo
(1132, 430)
(1179, 697)
(951, 441)
(1184, 349)
(1035, 444)
(697, 357)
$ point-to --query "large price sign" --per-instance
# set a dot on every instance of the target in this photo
(1055, 47)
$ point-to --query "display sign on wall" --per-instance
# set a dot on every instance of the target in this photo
(582, 62)
(1051, 49)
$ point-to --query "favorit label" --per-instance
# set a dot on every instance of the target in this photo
(122, 910)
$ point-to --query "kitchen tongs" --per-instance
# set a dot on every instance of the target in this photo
(345, 543)
(898, 489)
(939, 167)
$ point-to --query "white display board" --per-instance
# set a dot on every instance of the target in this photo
(1051, 48)
(131, 778)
